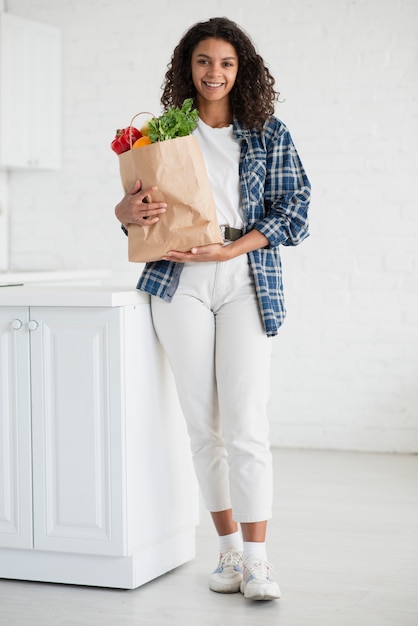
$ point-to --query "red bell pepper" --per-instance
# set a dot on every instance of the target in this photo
(121, 142)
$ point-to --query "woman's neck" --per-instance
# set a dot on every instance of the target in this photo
(216, 115)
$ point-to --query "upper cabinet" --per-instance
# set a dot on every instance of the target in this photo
(30, 94)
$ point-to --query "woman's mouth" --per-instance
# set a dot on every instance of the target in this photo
(212, 85)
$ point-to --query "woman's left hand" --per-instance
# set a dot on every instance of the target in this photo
(211, 252)
(220, 252)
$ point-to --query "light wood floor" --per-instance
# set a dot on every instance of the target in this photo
(344, 542)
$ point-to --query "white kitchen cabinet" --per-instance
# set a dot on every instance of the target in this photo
(30, 94)
(96, 481)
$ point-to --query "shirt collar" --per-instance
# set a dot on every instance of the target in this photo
(239, 131)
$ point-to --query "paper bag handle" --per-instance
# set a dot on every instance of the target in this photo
(132, 120)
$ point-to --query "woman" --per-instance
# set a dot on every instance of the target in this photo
(215, 307)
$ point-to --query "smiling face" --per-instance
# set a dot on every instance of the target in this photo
(214, 70)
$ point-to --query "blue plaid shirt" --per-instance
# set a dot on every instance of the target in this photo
(275, 194)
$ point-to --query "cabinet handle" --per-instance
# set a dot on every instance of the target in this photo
(33, 324)
(16, 324)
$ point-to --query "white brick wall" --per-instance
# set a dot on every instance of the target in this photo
(345, 369)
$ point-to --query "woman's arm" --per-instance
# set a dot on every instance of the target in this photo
(286, 195)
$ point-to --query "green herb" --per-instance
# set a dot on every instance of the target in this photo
(175, 122)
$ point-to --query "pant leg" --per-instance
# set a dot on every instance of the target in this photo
(186, 330)
(243, 358)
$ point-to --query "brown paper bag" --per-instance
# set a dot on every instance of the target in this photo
(177, 168)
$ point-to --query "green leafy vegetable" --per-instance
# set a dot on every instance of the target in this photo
(175, 122)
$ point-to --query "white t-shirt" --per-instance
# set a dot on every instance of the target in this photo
(221, 154)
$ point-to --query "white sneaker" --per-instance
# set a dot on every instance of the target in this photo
(227, 577)
(258, 582)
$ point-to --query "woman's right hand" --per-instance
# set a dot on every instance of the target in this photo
(134, 207)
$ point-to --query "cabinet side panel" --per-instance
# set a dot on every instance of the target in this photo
(163, 496)
(15, 431)
(75, 454)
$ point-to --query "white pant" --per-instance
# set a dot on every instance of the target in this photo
(220, 356)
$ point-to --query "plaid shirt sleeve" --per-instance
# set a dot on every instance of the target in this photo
(275, 194)
(282, 187)
(287, 199)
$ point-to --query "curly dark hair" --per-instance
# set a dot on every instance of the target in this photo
(253, 94)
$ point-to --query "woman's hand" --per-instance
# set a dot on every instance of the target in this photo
(219, 252)
(211, 252)
(135, 209)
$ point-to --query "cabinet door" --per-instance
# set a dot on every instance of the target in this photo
(77, 439)
(15, 430)
(30, 93)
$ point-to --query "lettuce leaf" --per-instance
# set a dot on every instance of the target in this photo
(175, 122)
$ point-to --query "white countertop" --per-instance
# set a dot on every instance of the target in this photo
(57, 277)
(71, 295)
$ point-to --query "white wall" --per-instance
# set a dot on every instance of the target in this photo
(345, 369)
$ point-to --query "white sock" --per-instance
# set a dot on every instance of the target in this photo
(230, 543)
(255, 550)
